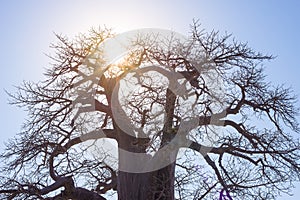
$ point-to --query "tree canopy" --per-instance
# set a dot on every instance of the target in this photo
(190, 118)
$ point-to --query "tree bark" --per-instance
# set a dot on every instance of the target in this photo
(163, 183)
(155, 185)
(134, 186)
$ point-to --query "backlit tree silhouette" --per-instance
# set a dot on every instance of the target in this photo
(191, 118)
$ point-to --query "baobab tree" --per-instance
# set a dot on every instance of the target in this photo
(189, 118)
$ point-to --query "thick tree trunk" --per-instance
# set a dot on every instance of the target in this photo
(163, 183)
(134, 186)
(157, 185)
(131, 184)
(154, 185)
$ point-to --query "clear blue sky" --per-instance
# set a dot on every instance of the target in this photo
(27, 30)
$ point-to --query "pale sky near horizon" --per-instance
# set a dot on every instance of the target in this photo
(27, 27)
